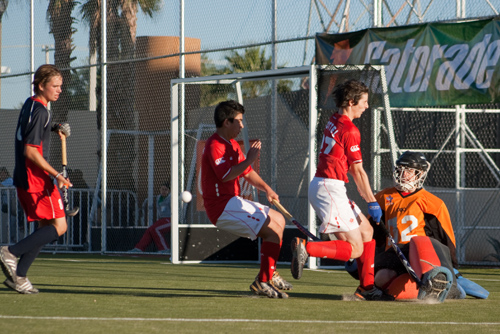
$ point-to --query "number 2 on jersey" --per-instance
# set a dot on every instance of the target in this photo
(408, 224)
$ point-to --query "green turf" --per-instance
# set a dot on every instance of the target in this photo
(108, 294)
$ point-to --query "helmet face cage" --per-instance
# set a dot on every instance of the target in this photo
(408, 179)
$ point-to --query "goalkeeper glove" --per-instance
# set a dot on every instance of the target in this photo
(375, 211)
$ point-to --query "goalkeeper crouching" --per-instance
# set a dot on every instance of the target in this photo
(420, 224)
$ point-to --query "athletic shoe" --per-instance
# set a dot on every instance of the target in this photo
(299, 258)
(165, 252)
(8, 261)
(280, 282)
(267, 289)
(135, 250)
(23, 286)
(372, 294)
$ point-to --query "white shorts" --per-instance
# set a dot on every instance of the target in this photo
(243, 217)
(329, 199)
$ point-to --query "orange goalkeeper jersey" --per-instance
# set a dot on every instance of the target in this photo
(417, 214)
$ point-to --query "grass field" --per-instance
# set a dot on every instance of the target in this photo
(110, 294)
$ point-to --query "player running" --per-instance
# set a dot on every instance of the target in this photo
(223, 163)
(339, 154)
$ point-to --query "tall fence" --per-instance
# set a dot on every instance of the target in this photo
(145, 49)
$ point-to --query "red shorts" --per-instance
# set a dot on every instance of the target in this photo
(44, 205)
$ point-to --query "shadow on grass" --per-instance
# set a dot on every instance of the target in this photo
(319, 296)
(163, 292)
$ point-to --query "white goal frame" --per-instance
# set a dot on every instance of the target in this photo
(178, 126)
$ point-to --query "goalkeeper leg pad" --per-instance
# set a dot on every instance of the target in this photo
(436, 284)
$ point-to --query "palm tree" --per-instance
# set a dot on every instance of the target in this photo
(214, 93)
(121, 31)
(121, 36)
(251, 60)
(61, 27)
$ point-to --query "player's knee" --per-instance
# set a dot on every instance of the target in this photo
(61, 226)
(277, 220)
(269, 233)
(61, 230)
(366, 232)
(357, 250)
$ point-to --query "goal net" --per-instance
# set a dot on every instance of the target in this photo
(287, 110)
(287, 116)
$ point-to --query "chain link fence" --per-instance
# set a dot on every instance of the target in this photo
(221, 36)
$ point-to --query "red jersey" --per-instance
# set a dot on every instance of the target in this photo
(339, 148)
(219, 156)
(417, 214)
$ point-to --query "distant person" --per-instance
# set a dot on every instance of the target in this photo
(5, 178)
(223, 164)
(34, 179)
(156, 232)
(5, 181)
(8, 200)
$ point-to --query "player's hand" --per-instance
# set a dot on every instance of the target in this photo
(63, 182)
(63, 128)
(254, 151)
(375, 211)
(271, 195)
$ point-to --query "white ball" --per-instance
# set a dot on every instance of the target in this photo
(186, 196)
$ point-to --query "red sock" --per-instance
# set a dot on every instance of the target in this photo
(366, 267)
(335, 249)
(269, 253)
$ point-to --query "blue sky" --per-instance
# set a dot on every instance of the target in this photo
(218, 23)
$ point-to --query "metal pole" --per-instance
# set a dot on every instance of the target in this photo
(460, 224)
(104, 126)
(307, 31)
(151, 169)
(377, 13)
(32, 44)
(182, 73)
(274, 101)
(174, 163)
(93, 82)
(313, 121)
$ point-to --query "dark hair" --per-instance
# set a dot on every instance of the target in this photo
(227, 110)
(43, 75)
(166, 184)
(347, 91)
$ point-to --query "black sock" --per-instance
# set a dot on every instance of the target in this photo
(26, 260)
(37, 239)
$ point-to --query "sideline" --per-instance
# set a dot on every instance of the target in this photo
(333, 322)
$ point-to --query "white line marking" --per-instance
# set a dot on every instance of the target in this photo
(254, 320)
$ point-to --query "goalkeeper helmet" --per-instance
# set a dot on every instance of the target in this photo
(411, 171)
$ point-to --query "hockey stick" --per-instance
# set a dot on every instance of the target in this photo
(296, 223)
(400, 254)
(70, 212)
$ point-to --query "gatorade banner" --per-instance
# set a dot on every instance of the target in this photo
(432, 64)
